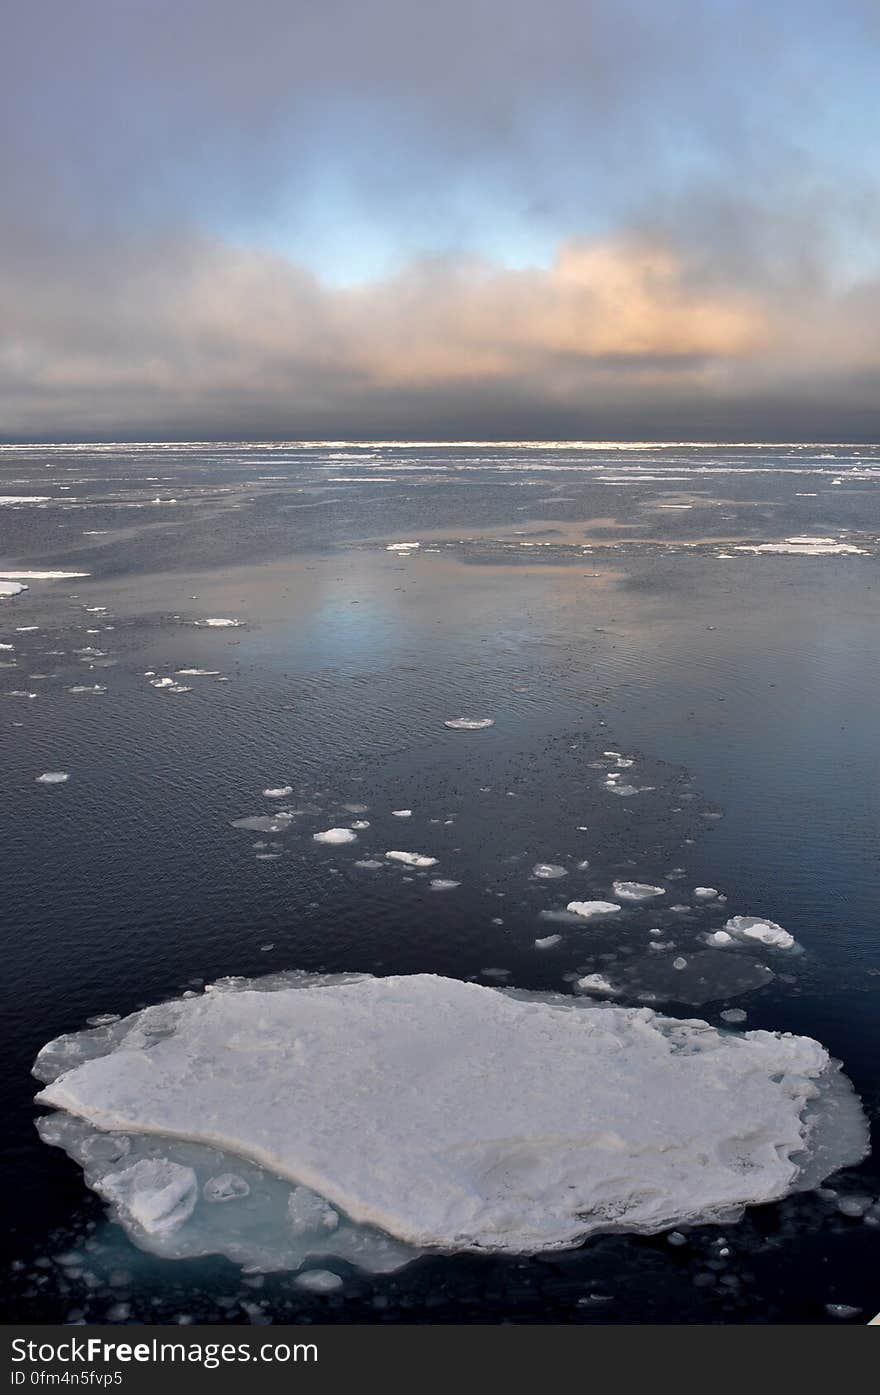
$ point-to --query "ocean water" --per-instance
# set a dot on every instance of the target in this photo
(587, 598)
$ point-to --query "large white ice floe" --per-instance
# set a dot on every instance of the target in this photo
(390, 1100)
(11, 588)
(755, 929)
(469, 723)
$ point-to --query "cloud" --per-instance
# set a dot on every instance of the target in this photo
(485, 217)
(180, 328)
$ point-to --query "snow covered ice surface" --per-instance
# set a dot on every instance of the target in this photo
(389, 1100)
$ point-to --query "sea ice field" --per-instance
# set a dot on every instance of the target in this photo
(440, 882)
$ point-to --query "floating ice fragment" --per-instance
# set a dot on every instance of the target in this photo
(412, 859)
(705, 893)
(442, 884)
(360, 824)
(596, 983)
(370, 863)
(719, 938)
(318, 1281)
(586, 909)
(734, 1015)
(548, 871)
(42, 576)
(227, 1186)
(637, 891)
(307, 1211)
(766, 932)
(87, 688)
(218, 623)
(402, 813)
(11, 588)
(199, 672)
(548, 942)
(469, 723)
(622, 1120)
(53, 777)
(156, 1194)
(679, 963)
(335, 835)
(265, 823)
(401, 546)
(280, 793)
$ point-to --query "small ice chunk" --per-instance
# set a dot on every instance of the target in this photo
(854, 1206)
(443, 884)
(401, 546)
(53, 777)
(360, 824)
(402, 813)
(595, 983)
(469, 723)
(219, 623)
(734, 1015)
(679, 963)
(412, 859)
(705, 893)
(637, 891)
(226, 1186)
(586, 909)
(335, 835)
(156, 1194)
(318, 1281)
(371, 863)
(307, 1212)
(548, 942)
(281, 792)
(719, 938)
(548, 871)
(842, 1311)
(766, 932)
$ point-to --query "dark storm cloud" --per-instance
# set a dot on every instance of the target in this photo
(586, 218)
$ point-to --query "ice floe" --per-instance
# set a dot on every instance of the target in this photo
(218, 623)
(622, 1119)
(548, 941)
(412, 859)
(280, 793)
(637, 891)
(335, 835)
(53, 777)
(402, 813)
(805, 547)
(705, 893)
(469, 723)
(586, 909)
(42, 576)
(401, 547)
(752, 928)
(11, 588)
(548, 871)
(442, 884)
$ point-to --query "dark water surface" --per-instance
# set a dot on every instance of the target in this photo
(555, 590)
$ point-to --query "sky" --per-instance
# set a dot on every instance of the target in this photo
(652, 219)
